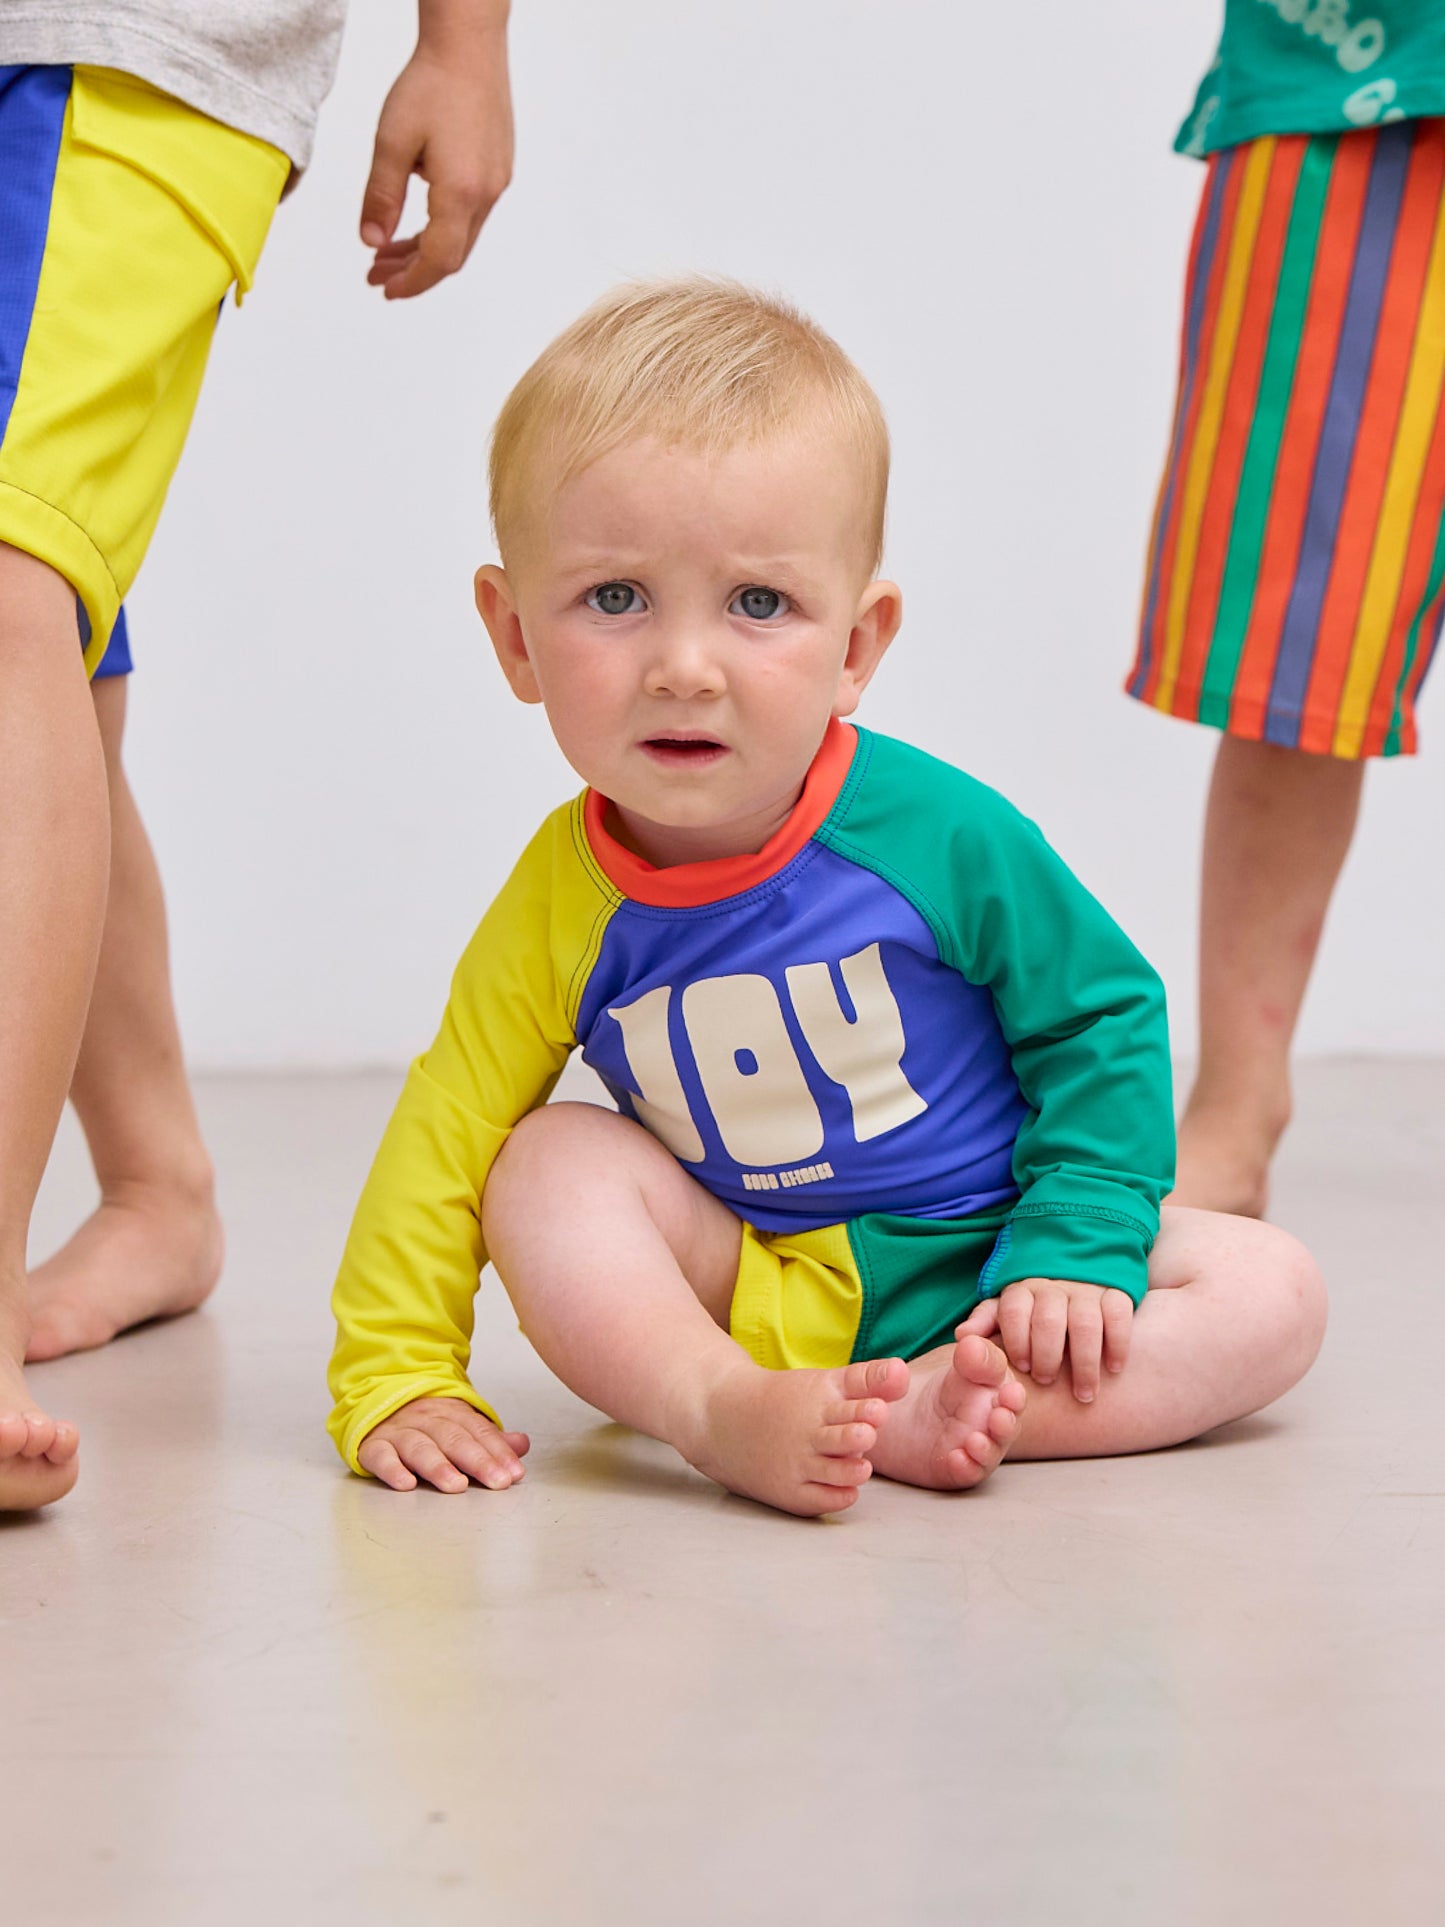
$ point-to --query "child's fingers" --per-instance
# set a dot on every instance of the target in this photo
(390, 261)
(483, 1455)
(443, 244)
(1015, 1325)
(378, 1457)
(1048, 1332)
(519, 1443)
(981, 1322)
(421, 1454)
(1086, 1343)
(385, 195)
(1118, 1312)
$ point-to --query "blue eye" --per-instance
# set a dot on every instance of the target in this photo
(614, 599)
(758, 604)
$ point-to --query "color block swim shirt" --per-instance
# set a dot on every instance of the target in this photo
(905, 1002)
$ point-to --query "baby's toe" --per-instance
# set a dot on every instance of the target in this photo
(819, 1497)
(1002, 1424)
(980, 1362)
(885, 1378)
(857, 1411)
(847, 1441)
(826, 1471)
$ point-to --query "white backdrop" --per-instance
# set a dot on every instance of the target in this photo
(979, 200)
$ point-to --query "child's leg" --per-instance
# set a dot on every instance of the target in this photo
(53, 864)
(1233, 1317)
(1278, 830)
(153, 1247)
(621, 1268)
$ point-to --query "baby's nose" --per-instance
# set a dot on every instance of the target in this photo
(686, 667)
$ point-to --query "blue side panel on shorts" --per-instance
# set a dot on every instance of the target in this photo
(32, 118)
(116, 660)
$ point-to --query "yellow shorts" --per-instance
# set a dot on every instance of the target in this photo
(879, 1286)
(125, 217)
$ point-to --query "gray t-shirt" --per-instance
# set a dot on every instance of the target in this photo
(264, 66)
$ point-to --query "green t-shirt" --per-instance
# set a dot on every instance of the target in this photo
(1318, 67)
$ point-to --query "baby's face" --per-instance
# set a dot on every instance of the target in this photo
(691, 623)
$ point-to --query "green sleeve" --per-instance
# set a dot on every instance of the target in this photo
(1081, 1011)
(404, 1293)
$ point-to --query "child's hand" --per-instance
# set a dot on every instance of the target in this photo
(448, 118)
(446, 1442)
(1038, 1317)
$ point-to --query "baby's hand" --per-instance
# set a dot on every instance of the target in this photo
(1036, 1318)
(446, 1442)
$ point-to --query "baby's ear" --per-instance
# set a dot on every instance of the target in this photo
(498, 610)
(875, 624)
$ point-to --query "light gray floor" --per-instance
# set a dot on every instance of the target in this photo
(1201, 1687)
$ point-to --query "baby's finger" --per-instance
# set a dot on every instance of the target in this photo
(981, 1322)
(519, 1443)
(1015, 1325)
(422, 1455)
(1118, 1310)
(483, 1456)
(1048, 1331)
(1086, 1342)
(378, 1457)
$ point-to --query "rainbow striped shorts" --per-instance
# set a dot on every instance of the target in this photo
(1296, 572)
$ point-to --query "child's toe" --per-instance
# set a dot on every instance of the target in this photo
(829, 1471)
(885, 1378)
(980, 1362)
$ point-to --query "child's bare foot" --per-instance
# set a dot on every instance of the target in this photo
(148, 1251)
(798, 1440)
(958, 1420)
(1223, 1162)
(38, 1460)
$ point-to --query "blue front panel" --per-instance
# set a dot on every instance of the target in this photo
(33, 101)
(804, 1052)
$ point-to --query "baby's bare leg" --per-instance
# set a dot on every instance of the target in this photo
(621, 1268)
(152, 1247)
(1234, 1316)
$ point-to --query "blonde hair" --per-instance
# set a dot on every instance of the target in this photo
(697, 362)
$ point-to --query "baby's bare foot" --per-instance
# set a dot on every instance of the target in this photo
(798, 1440)
(150, 1251)
(959, 1419)
(37, 1453)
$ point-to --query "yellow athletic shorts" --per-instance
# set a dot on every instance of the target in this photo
(125, 217)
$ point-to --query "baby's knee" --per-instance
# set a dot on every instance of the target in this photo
(542, 1138)
(550, 1152)
(1298, 1290)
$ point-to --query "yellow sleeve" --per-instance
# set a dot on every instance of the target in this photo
(403, 1296)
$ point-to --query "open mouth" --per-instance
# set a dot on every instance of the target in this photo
(684, 752)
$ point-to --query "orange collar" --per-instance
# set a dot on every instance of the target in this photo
(682, 886)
